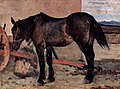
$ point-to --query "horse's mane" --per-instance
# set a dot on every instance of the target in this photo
(28, 20)
(47, 18)
(44, 17)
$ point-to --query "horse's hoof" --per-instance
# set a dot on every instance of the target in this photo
(40, 83)
(86, 81)
(51, 79)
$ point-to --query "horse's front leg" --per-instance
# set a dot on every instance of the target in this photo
(49, 62)
(40, 52)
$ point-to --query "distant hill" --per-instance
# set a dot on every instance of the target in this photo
(111, 23)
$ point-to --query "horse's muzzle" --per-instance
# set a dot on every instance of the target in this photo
(15, 46)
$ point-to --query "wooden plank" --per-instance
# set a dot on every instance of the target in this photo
(113, 38)
(111, 29)
(112, 33)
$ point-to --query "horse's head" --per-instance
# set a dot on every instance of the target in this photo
(18, 34)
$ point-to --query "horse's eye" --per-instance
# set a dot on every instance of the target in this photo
(14, 29)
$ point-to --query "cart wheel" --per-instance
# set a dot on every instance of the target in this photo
(5, 54)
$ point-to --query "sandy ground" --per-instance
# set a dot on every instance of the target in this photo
(68, 78)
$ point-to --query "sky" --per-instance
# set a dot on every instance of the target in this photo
(103, 10)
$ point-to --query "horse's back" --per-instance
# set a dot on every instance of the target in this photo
(55, 32)
(61, 31)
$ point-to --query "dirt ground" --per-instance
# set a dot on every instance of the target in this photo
(68, 77)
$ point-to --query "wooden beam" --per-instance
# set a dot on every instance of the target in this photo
(111, 29)
(17, 54)
(63, 62)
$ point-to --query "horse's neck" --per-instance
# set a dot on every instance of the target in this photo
(29, 31)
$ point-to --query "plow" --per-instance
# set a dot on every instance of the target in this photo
(5, 53)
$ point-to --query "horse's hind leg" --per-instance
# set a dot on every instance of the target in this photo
(40, 52)
(87, 49)
(49, 62)
(89, 54)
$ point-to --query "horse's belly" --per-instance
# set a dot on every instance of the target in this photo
(60, 41)
(55, 33)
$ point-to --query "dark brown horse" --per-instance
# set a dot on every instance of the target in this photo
(46, 31)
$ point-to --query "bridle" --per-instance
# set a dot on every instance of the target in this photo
(17, 41)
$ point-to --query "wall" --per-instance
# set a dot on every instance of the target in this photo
(20, 9)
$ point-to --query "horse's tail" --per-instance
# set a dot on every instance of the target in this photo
(99, 34)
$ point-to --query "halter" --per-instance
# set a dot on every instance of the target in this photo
(18, 41)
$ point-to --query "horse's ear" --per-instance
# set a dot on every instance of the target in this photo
(13, 21)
